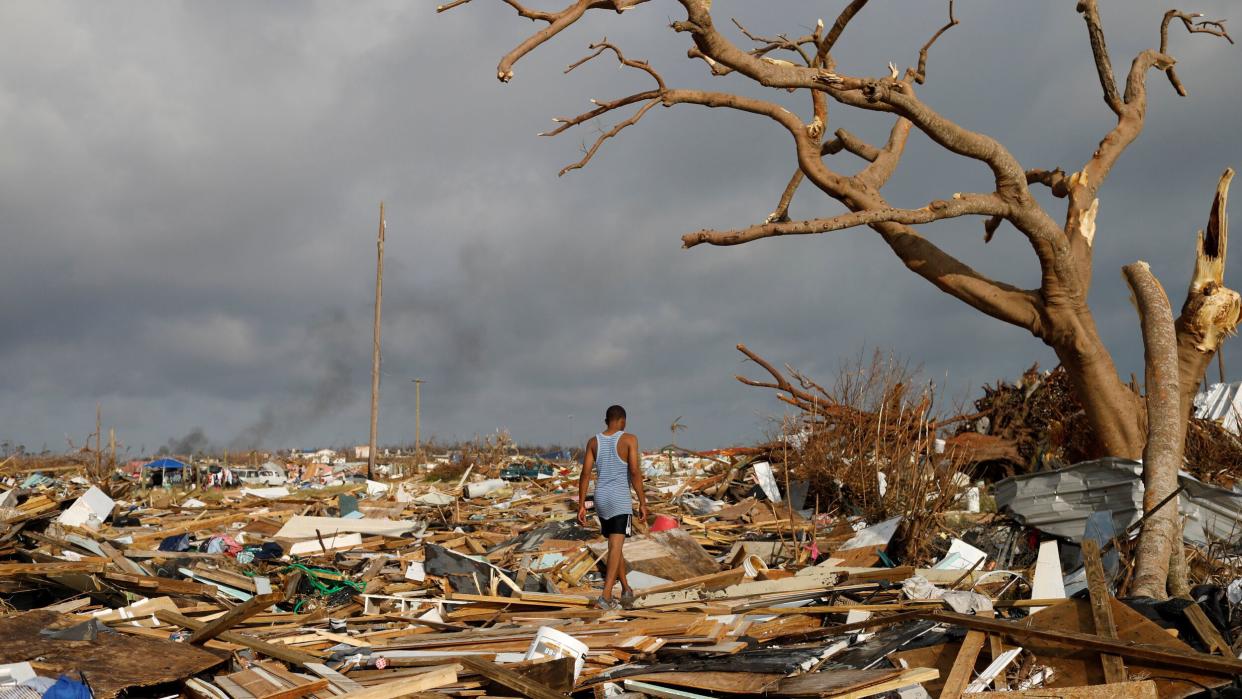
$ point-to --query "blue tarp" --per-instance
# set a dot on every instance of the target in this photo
(165, 465)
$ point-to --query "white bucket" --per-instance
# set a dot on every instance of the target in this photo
(754, 565)
(972, 499)
(478, 490)
(550, 643)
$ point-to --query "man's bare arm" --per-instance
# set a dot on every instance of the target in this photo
(584, 481)
(636, 478)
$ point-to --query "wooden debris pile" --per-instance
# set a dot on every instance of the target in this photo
(409, 588)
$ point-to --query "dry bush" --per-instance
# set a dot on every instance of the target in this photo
(1048, 428)
(877, 417)
(487, 455)
(448, 472)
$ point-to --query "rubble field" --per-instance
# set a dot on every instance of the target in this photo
(983, 565)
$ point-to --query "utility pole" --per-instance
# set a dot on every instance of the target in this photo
(98, 440)
(418, 416)
(375, 348)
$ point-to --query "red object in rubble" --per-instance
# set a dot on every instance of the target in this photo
(663, 523)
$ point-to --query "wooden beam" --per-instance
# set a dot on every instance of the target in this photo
(289, 655)
(1126, 649)
(509, 679)
(712, 581)
(436, 677)
(1207, 632)
(86, 565)
(235, 616)
(338, 680)
(963, 666)
(1102, 610)
(298, 690)
(196, 525)
(164, 586)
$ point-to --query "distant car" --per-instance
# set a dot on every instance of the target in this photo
(261, 476)
(521, 472)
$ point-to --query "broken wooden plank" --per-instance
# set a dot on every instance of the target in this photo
(289, 655)
(201, 689)
(1145, 689)
(1127, 649)
(164, 586)
(1206, 630)
(509, 679)
(1102, 610)
(655, 690)
(299, 690)
(556, 674)
(727, 682)
(85, 565)
(433, 678)
(712, 581)
(338, 680)
(835, 682)
(964, 665)
(235, 616)
(915, 675)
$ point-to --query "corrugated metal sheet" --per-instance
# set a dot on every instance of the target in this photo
(1059, 502)
(1221, 402)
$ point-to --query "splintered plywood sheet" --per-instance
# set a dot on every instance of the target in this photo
(303, 527)
(112, 662)
(832, 682)
(1075, 667)
(731, 682)
(672, 555)
(1145, 689)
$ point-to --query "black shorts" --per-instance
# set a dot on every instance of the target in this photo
(615, 525)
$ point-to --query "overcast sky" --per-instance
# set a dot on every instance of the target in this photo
(189, 194)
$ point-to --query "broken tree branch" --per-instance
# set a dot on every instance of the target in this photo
(1166, 426)
(884, 164)
(556, 21)
(778, 42)
(853, 144)
(604, 45)
(920, 75)
(1211, 311)
(960, 205)
(1054, 180)
(834, 32)
(1213, 27)
(1103, 65)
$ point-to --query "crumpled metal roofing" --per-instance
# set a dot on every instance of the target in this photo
(1059, 502)
(1221, 402)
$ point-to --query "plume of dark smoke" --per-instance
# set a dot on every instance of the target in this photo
(328, 342)
(193, 442)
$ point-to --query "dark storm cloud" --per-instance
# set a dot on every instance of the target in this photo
(189, 196)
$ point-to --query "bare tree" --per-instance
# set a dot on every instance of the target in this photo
(1057, 311)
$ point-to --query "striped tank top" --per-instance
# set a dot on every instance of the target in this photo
(612, 478)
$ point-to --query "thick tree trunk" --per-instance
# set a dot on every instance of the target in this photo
(1166, 430)
(1179, 574)
(1110, 406)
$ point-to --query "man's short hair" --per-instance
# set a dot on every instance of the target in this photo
(615, 412)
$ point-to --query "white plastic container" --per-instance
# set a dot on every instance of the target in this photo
(478, 490)
(972, 499)
(754, 565)
(550, 643)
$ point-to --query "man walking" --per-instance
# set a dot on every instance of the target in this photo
(614, 454)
